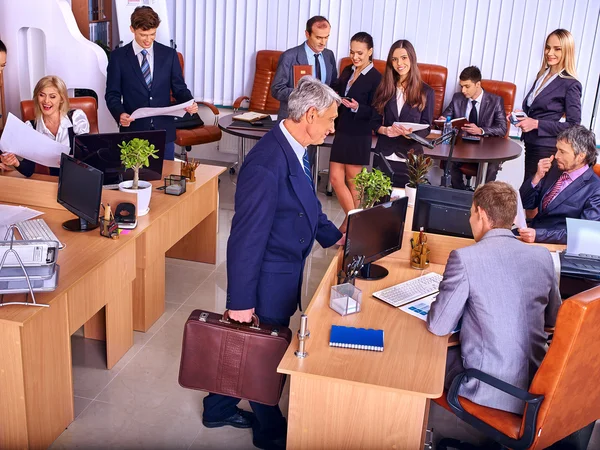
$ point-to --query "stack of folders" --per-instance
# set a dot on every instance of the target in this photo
(358, 338)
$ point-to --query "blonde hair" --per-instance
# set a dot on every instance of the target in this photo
(567, 62)
(60, 86)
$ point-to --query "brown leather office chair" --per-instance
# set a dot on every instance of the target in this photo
(597, 169)
(260, 99)
(564, 396)
(203, 134)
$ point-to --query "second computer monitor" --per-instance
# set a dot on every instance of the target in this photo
(374, 233)
(102, 152)
(443, 210)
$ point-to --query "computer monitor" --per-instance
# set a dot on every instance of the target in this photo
(374, 233)
(79, 191)
(102, 152)
(443, 210)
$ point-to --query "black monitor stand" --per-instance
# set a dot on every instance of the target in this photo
(79, 225)
(372, 272)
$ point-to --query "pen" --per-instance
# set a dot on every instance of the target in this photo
(107, 212)
(421, 235)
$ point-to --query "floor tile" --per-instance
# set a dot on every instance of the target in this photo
(80, 404)
(210, 295)
(226, 438)
(182, 280)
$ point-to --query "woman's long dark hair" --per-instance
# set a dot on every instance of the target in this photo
(413, 86)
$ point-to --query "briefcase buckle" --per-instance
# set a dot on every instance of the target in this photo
(203, 317)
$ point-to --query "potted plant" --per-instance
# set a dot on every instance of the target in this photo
(418, 166)
(371, 187)
(136, 154)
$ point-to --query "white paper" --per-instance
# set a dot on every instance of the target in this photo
(24, 141)
(420, 308)
(175, 110)
(520, 220)
(414, 126)
(9, 215)
(582, 238)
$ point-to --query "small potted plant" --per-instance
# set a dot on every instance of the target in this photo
(136, 154)
(371, 187)
(418, 166)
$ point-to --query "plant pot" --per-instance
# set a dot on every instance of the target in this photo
(143, 193)
(411, 193)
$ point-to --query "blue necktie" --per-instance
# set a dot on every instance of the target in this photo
(307, 172)
(146, 69)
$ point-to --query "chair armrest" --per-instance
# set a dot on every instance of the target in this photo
(533, 403)
(210, 106)
(238, 102)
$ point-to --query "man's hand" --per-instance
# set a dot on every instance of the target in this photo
(10, 159)
(241, 315)
(527, 234)
(125, 120)
(471, 128)
(193, 108)
(543, 167)
(342, 240)
(527, 124)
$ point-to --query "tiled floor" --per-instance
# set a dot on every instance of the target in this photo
(139, 403)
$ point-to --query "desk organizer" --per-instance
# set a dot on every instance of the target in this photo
(109, 228)
(345, 299)
(188, 169)
(175, 184)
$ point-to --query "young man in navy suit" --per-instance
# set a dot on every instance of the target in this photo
(277, 219)
(485, 113)
(568, 188)
(143, 74)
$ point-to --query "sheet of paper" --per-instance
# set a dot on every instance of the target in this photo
(9, 215)
(175, 110)
(520, 220)
(582, 238)
(24, 141)
(420, 308)
(414, 126)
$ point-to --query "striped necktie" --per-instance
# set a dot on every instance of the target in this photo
(146, 69)
(306, 166)
(555, 190)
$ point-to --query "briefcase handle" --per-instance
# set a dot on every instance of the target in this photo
(255, 320)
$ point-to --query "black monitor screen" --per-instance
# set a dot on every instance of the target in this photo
(443, 210)
(102, 152)
(80, 188)
(375, 232)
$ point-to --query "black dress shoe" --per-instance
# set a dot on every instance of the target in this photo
(241, 419)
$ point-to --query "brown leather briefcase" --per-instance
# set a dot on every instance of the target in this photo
(230, 358)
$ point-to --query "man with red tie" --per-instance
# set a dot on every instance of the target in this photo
(564, 185)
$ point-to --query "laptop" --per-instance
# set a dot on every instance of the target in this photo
(582, 257)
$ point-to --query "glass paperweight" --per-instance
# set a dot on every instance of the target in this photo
(345, 299)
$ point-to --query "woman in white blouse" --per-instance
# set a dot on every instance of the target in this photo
(54, 119)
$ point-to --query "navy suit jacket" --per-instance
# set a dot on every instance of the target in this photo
(388, 145)
(283, 82)
(277, 218)
(561, 97)
(124, 80)
(491, 117)
(579, 200)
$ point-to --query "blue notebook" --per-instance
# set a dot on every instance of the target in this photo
(358, 338)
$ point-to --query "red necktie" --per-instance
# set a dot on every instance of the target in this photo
(555, 190)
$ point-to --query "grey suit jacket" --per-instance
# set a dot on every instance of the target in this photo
(283, 82)
(505, 291)
(492, 117)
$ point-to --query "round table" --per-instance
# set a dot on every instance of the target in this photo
(489, 149)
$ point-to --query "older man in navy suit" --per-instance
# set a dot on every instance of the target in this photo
(143, 74)
(277, 219)
(569, 188)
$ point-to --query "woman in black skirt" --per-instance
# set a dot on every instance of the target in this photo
(351, 149)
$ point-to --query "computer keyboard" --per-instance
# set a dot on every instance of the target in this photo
(410, 290)
(37, 230)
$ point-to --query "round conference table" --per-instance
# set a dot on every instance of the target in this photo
(489, 149)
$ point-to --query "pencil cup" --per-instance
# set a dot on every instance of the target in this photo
(109, 228)
(419, 256)
(345, 299)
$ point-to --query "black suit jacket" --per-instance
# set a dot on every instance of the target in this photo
(126, 89)
(579, 200)
(491, 118)
(561, 97)
(388, 145)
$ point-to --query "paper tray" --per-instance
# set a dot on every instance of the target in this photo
(21, 287)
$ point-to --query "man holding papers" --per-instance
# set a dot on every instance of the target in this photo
(143, 74)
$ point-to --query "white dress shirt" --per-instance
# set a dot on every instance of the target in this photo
(477, 105)
(137, 50)
(80, 125)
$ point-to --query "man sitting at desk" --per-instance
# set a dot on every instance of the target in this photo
(505, 291)
(485, 113)
(569, 188)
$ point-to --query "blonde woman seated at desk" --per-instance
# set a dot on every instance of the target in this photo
(54, 119)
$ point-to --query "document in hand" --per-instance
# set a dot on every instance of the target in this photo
(413, 126)
(24, 141)
(175, 110)
(10, 214)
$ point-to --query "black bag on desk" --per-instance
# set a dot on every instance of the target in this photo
(188, 121)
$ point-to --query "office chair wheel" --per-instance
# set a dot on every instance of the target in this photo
(329, 193)
(232, 171)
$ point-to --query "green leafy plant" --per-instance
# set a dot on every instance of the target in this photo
(372, 186)
(418, 166)
(136, 154)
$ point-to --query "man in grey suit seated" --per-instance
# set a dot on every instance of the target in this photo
(485, 112)
(505, 291)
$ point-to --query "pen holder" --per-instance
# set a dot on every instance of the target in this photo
(419, 255)
(345, 299)
(188, 169)
(109, 228)
(175, 184)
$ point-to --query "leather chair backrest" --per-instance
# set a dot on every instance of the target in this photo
(261, 99)
(568, 376)
(432, 74)
(504, 89)
(87, 104)
(597, 169)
